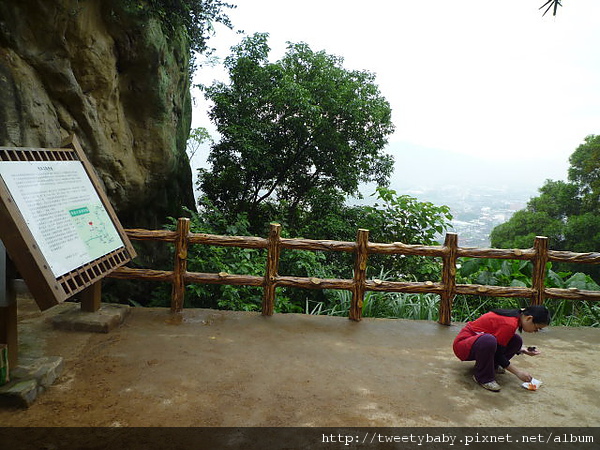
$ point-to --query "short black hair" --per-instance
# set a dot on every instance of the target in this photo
(540, 313)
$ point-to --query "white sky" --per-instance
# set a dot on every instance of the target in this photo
(488, 78)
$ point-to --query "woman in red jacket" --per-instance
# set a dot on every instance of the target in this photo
(491, 341)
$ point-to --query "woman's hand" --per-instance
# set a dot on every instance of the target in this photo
(531, 351)
(523, 376)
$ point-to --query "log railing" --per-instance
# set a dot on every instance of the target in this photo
(447, 288)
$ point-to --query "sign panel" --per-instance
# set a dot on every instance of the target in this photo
(57, 223)
(62, 210)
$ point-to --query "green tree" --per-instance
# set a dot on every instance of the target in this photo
(582, 232)
(392, 218)
(558, 199)
(585, 172)
(568, 213)
(293, 131)
(545, 215)
(522, 228)
(402, 218)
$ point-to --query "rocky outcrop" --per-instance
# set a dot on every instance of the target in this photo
(112, 76)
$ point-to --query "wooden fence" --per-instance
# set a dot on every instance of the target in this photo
(447, 288)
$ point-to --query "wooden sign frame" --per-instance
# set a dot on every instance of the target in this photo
(48, 289)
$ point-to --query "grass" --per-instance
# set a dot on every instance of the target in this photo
(395, 305)
(382, 304)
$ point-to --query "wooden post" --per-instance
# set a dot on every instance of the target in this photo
(8, 310)
(448, 278)
(360, 274)
(90, 297)
(539, 270)
(273, 253)
(180, 264)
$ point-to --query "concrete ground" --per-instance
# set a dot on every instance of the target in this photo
(206, 368)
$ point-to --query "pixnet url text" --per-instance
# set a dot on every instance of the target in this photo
(421, 439)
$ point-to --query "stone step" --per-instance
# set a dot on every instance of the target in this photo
(30, 378)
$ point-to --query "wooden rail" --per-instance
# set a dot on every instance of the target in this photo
(447, 288)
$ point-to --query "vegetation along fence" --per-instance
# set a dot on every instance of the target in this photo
(447, 288)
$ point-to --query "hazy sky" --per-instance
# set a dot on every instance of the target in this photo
(491, 79)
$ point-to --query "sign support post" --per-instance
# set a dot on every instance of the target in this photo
(90, 297)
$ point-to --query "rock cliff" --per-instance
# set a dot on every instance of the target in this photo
(113, 77)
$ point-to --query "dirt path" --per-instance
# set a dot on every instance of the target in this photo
(207, 368)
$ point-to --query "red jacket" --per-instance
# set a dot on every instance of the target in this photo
(502, 327)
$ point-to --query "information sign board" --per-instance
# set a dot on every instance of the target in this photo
(62, 210)
(57, 224)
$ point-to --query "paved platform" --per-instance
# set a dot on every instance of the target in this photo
(206, 368)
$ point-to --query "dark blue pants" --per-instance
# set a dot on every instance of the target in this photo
(485, 353)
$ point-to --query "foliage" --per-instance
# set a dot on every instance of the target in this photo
(402, 218)
(392, 218)
(393, 305)
(574, 313)
(466, 308)
(523, 227)
(412, 220)
(558, 199)
(196, 17)
(496, 272)
(545, 215)
(584, 171)
(390, 305)
(198, 136)
(564, 312)
(509, 272)
(568, 213)
(215, 259)
(293, 131)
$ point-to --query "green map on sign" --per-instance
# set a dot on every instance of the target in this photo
(95, 229)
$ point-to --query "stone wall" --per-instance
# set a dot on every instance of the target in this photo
(115, 79)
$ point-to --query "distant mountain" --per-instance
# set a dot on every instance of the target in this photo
(480, 192)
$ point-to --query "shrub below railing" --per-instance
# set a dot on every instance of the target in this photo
(446, 288)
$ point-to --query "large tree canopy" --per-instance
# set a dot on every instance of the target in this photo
(292, 131)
